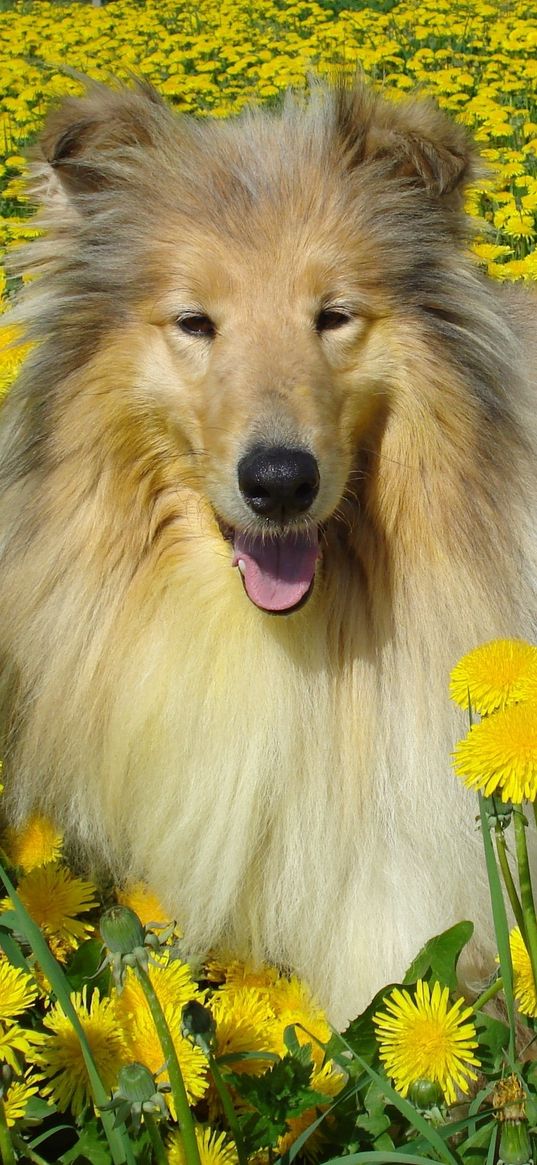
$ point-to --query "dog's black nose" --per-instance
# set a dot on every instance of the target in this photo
(279, 483)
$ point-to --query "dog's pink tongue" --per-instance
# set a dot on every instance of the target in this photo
(277, 572)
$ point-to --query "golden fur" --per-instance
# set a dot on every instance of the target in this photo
(283, 783)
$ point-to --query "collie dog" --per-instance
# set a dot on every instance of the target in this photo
(267, 473)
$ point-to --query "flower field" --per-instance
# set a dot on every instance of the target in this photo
(116, 1045)
(478, 60)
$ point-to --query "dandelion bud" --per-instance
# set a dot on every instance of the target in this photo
(515, 1144)
(6, 1077)
(136, 1083)
(425, 1094)
(509, 1103)
(498, 812)
(198, 1023)
(121, 930)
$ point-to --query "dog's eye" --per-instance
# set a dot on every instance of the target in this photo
(331, 318)
(197, 325)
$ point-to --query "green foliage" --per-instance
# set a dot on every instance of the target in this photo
(439, 957)
(91, 1148)
(375, 1121)
(275, 1097)
(82, 968)
(493, 1036)
(12, 948)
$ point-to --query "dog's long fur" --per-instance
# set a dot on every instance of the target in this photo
(283, 783)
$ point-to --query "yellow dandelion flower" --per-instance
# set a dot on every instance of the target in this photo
(34, 844)
(236, 973)
(293, 1003)
(16, 1100)
(173, 984)
(422, 1037)
(54, 898)
(529, 201)
(138, 897)
(523, 975)
(144, 1046)
(515, 269)
(489, 252)
(16, 162)
(11, 335)
(12, 353)
(214, 1148)
(63, 1068)
(495, 675)
(17, 991)
(244, 1023)
(16, 1042)
(499, 755)
(519, 226)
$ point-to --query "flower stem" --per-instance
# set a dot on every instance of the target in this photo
(229, 1111)
(159, 1152)
(501, 927)
(490, 993)
(5, 860)
(182, 1107)
(7, 1152)
(501, 850)
(28, 1154)
(526, 891)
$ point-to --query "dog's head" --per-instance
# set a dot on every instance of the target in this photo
(263, 271)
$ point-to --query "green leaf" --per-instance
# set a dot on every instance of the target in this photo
(374, 1121)
(492, 1147)
(377, 1158)
(81, 969)
(279, 1094)
(439, 957)
(493, 1037)
(12, 949)
(260, 1131)
(475, 1150)
(291, 1041)
(9, 919)
(283, 1090)
(91, 1147)
(342, 1097)
(37, 1109)
(48, 1134)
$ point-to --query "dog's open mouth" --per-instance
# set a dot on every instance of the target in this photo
(278, 572)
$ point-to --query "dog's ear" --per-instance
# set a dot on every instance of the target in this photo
(86, 139)
(414, 139)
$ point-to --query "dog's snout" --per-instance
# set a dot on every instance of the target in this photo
(278, 482)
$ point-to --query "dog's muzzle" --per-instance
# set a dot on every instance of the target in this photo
(278, 565)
